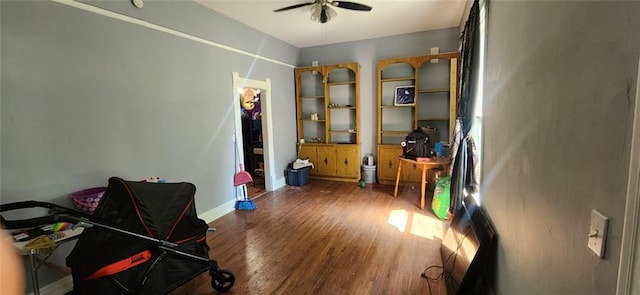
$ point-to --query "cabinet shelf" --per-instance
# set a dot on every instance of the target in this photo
(318, 121)
(341, 83)
(433, 119)
(342, 108)
(312, 97)
(443, 90)
(394, 107)
(397, 79)
(343, 131)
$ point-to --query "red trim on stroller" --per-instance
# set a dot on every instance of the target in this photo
(135, 205)
(180, 242)
(199, 238)
(184, 211)
(121, 265)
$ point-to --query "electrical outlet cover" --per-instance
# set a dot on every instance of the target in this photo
(598, 233)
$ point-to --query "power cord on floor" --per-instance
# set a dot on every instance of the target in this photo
(445, 273)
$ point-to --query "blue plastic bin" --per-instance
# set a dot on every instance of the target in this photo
(297, 177)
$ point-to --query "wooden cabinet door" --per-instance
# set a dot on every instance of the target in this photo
(347, 162)
(310, 152)
(326, 163)
(388, 162)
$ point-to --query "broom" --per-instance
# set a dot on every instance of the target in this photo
(244, 204)
(240, 180)
(241, 177)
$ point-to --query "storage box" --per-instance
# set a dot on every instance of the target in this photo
(297, 177)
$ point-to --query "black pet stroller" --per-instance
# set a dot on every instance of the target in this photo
(143, 238)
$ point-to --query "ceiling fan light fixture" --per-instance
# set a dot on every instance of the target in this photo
(321, 13)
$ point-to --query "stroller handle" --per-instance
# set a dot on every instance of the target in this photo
(27, 204)
(32, 222)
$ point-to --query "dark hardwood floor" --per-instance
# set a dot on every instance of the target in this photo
(328, 238)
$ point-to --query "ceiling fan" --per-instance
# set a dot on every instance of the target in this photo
(321, 11)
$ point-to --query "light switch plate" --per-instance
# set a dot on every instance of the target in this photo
(598, 232)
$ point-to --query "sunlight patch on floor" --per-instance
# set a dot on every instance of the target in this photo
(426, 226)
(398, 219)
(417, 224)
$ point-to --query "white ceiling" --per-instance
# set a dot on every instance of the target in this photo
(387, 18)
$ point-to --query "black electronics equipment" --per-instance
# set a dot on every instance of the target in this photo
(468, 252)
(416, 145)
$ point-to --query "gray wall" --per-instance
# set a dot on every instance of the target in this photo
(85, 97)
(559, 97)
(367, 53)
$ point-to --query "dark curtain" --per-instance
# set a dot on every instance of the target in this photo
(463, 171)
(468, 67)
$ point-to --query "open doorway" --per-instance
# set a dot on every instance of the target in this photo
(252, 102)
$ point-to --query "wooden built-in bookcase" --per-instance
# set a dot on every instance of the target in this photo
(327, 102)
(435, 78)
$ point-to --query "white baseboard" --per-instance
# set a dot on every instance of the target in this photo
(229, 206)
(218, 212)
(279, 183)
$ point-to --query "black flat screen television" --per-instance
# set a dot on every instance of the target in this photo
(468, 252)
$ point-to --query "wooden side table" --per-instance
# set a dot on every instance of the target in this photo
(424, 166)
(69, 235)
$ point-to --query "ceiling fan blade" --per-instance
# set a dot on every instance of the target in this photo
(293, 6)
(351, 5)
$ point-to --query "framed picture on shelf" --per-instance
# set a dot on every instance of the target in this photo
(405, 96)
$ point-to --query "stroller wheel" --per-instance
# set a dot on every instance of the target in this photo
(222, 280)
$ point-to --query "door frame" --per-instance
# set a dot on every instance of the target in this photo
(267, 123)
(630, 248)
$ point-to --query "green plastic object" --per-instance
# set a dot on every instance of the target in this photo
(441, 198)
(362, 183)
